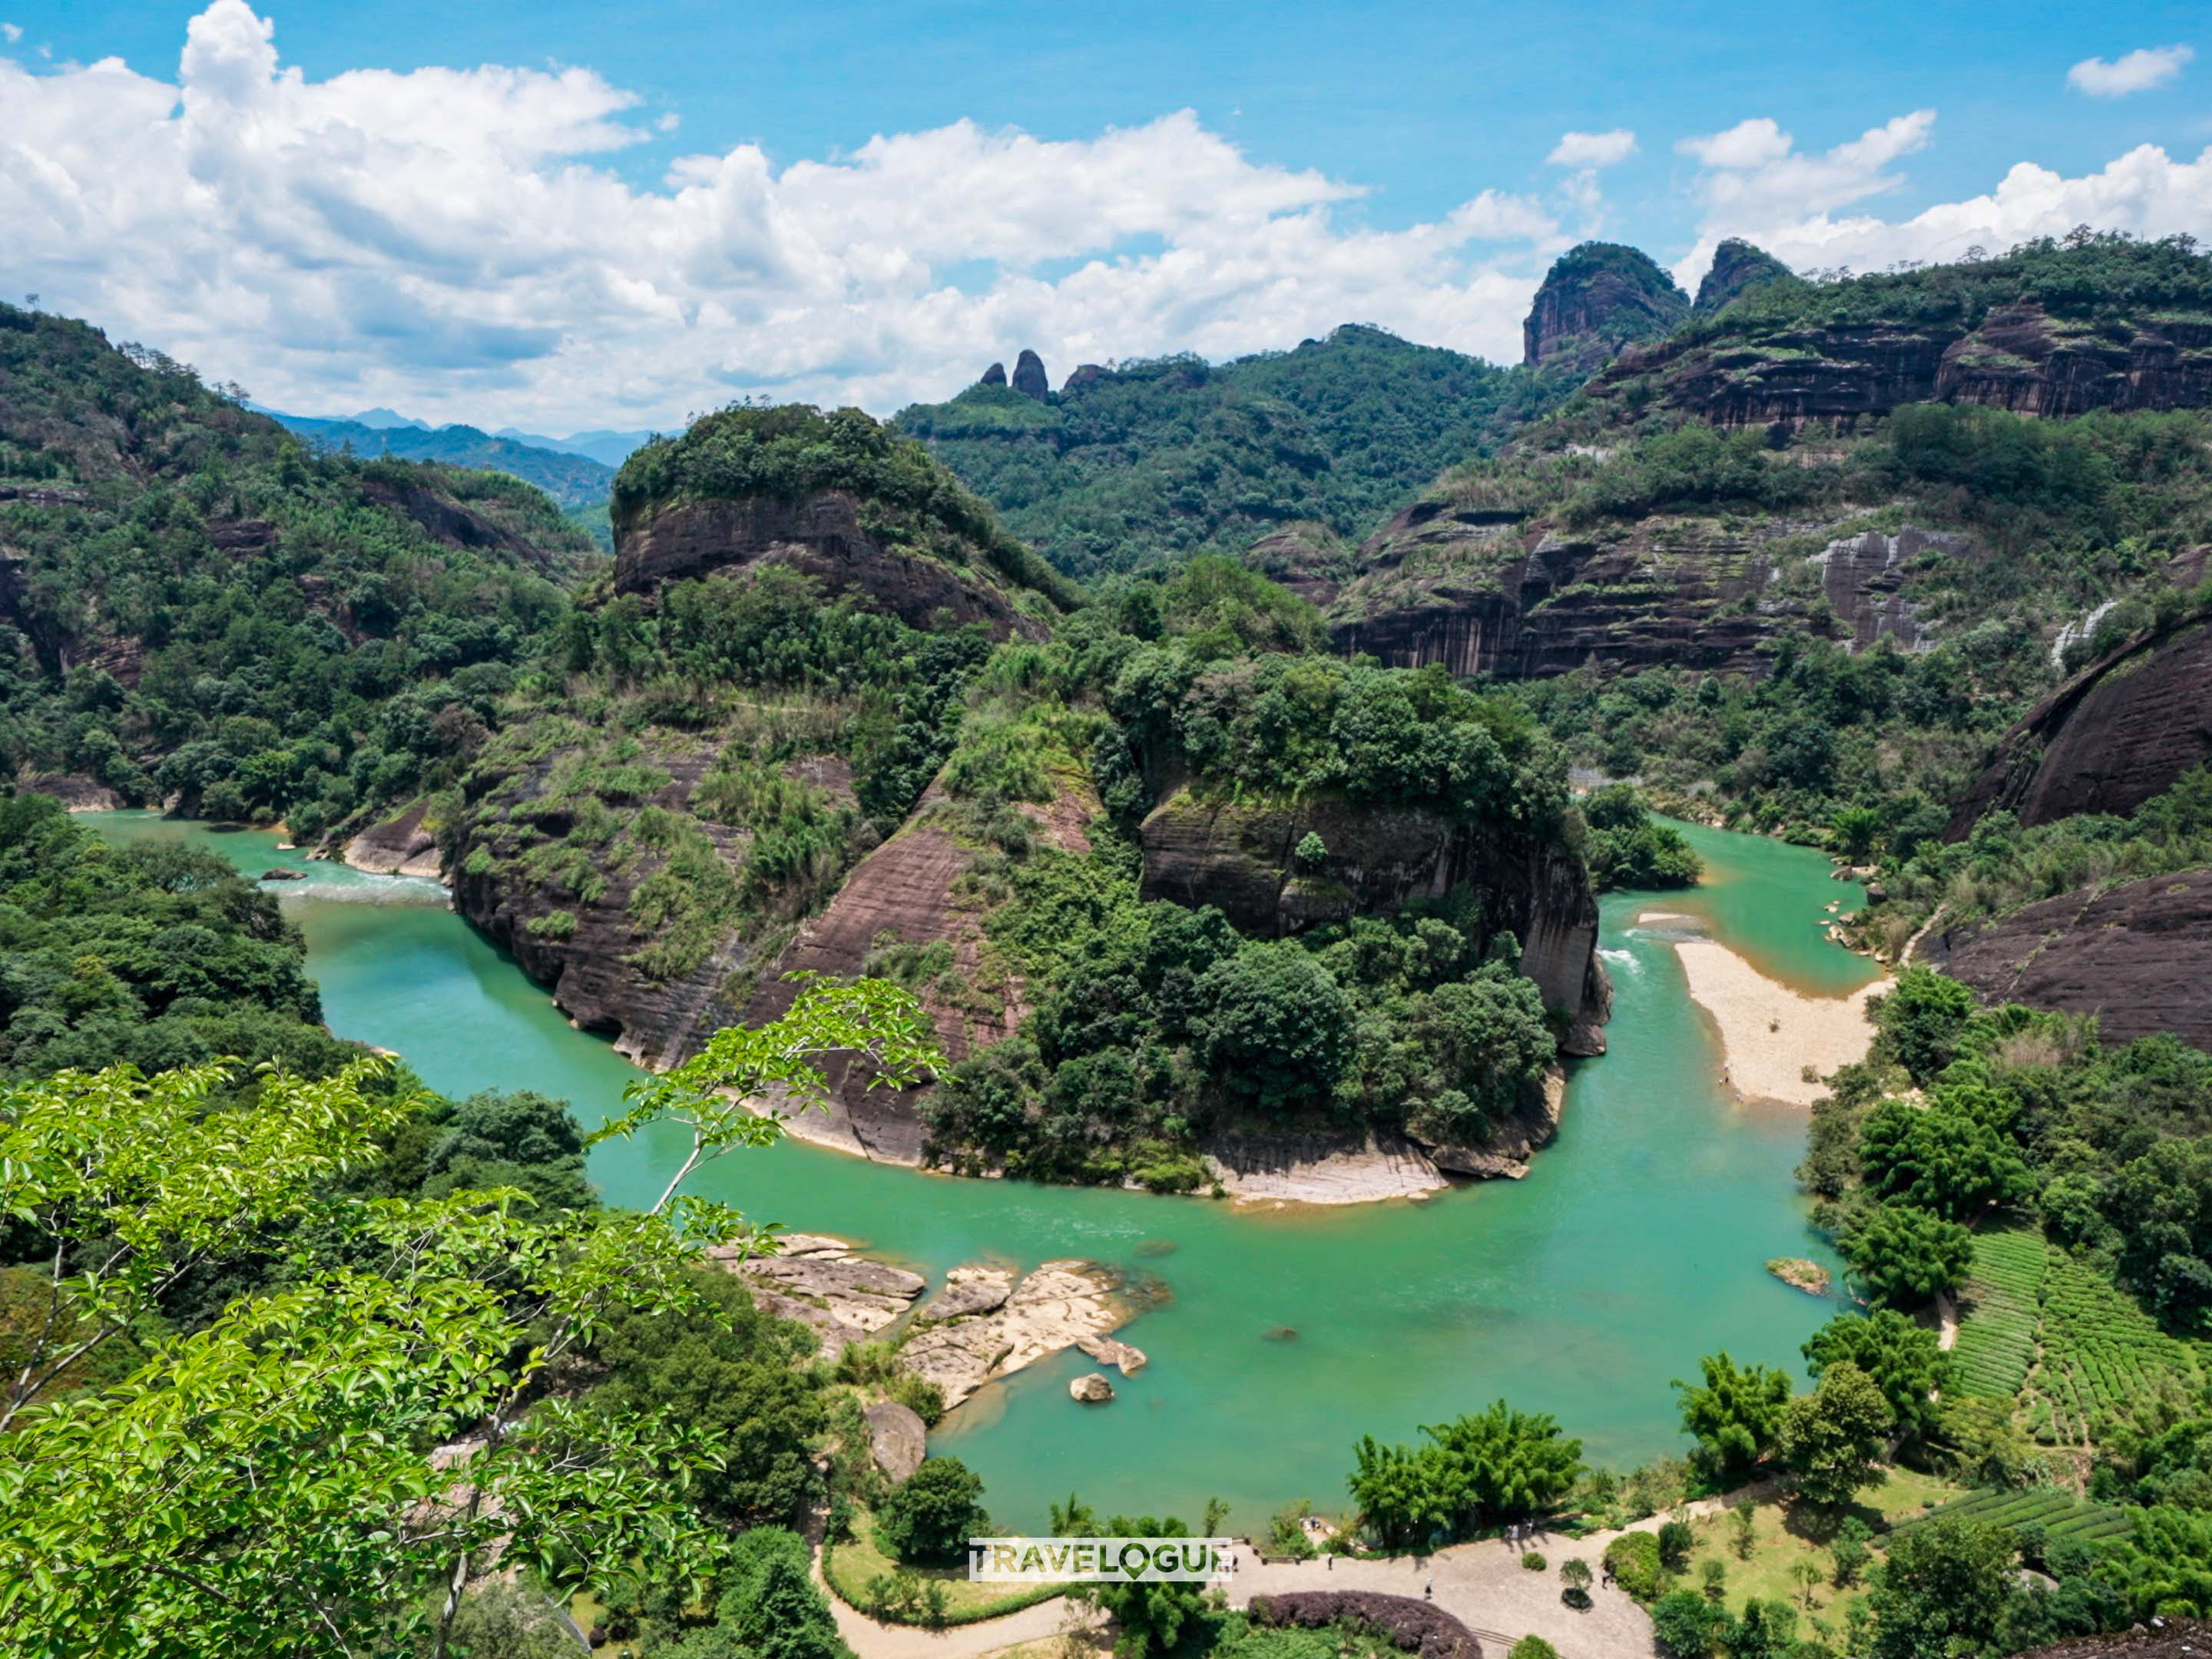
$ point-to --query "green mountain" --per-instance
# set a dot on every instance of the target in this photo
(574, 481)
(194, 604)
(1149, 461)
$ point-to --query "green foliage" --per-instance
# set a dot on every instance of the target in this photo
(1149, 1619)
(311, 631)
(928, 1517)
(1921, 1018)
(1633, 1560)
(790, 452)
(1901, 1357)
(770, 1608)
(1941, 1591)
(1478, 1471)
(1734, 1415)
(1996, 1337)
(1831, 1442)
(1625, 848)
(1904, 1258)
(1686, 1625)
(1174, 456)
(1533, 1647)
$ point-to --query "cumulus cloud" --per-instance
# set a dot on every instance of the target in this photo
(455, 243)
(1755, 184)
(2137, 71)
(12, 33)
(1593, 149)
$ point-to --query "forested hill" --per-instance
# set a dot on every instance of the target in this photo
(194, 603)
(1126, 466)
(574, 481)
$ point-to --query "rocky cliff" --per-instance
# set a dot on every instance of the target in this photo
(1237, 855)
(1486, 589)
(2137, 955)
(821, 534)
(2115, 734)
(1595, 299)
(2019, 357)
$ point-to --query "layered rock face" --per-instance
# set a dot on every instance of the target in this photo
(821, 535)
(2019, 358)
(1237, 856)
(2137, 955)
(1596, 298)
(903, 893)
(2117, 733)
(1860, 576)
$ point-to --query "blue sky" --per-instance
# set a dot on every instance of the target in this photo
(1406, 116)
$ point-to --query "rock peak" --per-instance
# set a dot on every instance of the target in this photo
(1737, 264)
(1029, 376)
(994, 376)
(1597, 297)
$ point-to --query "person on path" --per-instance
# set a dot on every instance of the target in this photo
(1429, 1591)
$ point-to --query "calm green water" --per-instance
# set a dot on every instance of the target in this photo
(1637, 1245)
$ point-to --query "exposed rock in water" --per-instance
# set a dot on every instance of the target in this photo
(2120, 732)
(404, 846)
(897, 1437)
(1058, 1305)
(1279, 1334)
(1737, 265)
(818, 1281)
(1319, 1166)
(1597, 298)
(280, 873)
(968, 1291)
(1800, 1274)
(2137, 955)
(1107, 1351)
(1091, 1389)
(1238, 856)
(1029, 376)
(821, 535)
(994, 376)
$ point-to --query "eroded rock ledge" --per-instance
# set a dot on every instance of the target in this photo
(986, 1323)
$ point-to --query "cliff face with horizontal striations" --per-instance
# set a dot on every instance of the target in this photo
(1237, 856)
(1484, 590)
(2137, 955)
(2019, 357)
(821, 535)
(2115, 735)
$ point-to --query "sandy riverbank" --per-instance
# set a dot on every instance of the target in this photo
(1770, 1032)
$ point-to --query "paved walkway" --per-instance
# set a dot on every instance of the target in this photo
(1483, 1585)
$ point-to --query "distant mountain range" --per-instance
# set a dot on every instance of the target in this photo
(576, 471)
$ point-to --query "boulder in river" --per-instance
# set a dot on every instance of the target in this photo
(1092, 1389)
(1106, 1351)
(1057, 1306)
(280, 873)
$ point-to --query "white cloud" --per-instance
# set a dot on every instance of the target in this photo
(11, 31)
(1787, 202)
(1593, 149)
(2137, 71)
(451, 243)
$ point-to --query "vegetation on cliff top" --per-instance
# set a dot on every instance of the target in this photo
(1152, 460)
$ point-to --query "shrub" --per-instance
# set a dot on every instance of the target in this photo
(1533, 1560)
(1633, 1560)
(930, 1516)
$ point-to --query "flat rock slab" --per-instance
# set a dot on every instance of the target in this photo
(968, 1291)
(1059, 1305)
(1107, 1351)
(817, 1280)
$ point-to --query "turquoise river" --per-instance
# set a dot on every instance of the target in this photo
(1638, 1242)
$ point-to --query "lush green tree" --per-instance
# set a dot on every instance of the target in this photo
(1903, 1357)
(1403, 1494)
(524, 1139)
(770, 1605)
(1941, 1591)
(1921, 1018)
(1633, 1560)
(1277, 1026)
(1851, 1552)
(1939, 1157)
(2164, 1567)
(1507, 1465)
(1676, 1541)
(1532, 1647)
(1904, 1257)
(1686, 1624)
(730, 1371)
(928, 1517)
(272, 1482)
(1832, 1441)
(1734, 1415)
(1767, 1630)
(1149, 1618)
